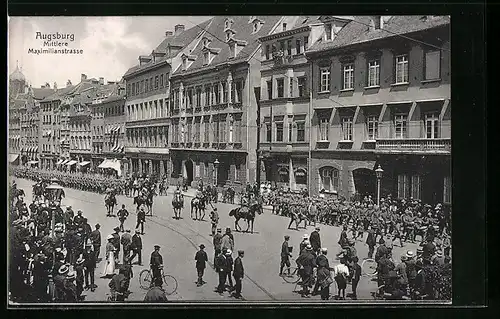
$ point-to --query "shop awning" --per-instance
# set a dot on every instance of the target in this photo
(36, 149)
(32, 162)
(84, 163)
(116, 166)
(104, 164)
(71, 163)
(13, 158)
(59, 162)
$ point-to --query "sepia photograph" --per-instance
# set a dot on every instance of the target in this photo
(229, 160)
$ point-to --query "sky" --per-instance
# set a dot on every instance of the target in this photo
(110, 45)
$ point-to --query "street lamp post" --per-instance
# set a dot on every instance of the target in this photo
(216, 168)
(379, 171)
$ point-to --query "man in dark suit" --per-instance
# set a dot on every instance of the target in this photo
(315, 240)
(126, 242)
(156, 264)
(201, 262)
(285, 255)
(95, 237)
(116, 242)
(238, 273)
(90, 265)
(371, 242)
(141, 219)
(136, 247)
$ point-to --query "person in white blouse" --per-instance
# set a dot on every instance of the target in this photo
(341, 273)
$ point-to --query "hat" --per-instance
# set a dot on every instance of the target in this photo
(71, 275)
(109, 237)
(240, 252)
(403, 257)
(306, 236)
(309, 247)
(127, 230)
(287, 237)
(63, 269)
(202, 246)
(116, 229)
(80, 212)
(58, 249)
(410, 254)
(228, 229)
(317, 228)
(439, 253)
(79, 260)
(137, 231)
(228, 252)
(324, 250)
(219, 230)
(381, 241)
(157, 247)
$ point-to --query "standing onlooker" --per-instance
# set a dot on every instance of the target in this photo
(341, 272)
(229, 268)
(238, 273)
(324, 278)
(315, 240)
(126, 242)
(214, 218)
(201, 261)
(80, 278)
(116, 243)
(220, 267)
(122, 216)
(136, 247)
(141, 219)
(355, 277)
(70, 294)
(217, 241)
(371, 242)
(285, 256)
(95, 237)
(90, 265)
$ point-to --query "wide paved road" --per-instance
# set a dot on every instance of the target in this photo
(179, 240)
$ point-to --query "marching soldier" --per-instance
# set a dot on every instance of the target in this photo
(122, 216)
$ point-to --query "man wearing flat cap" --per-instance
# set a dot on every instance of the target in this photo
(156, 264)
(201, 262)
(95, 237)
(136, 247)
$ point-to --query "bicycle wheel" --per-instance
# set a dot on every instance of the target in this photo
(291, 275)
(145, 279)
(169, 284)
(369, 267)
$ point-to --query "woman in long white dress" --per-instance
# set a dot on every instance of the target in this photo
(109, 266)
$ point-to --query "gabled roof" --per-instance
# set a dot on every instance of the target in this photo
(358, 31)
(41, 93)
(181, 41)
(243, 32)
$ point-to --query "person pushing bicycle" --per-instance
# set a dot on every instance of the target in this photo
(156, 265)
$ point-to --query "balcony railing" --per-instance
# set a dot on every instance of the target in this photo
(438, 145)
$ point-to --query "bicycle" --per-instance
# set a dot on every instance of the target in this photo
(169, 282)
(369, 267)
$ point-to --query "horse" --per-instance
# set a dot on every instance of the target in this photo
(198, 205)
(228, 195)
(247, 213)
(178, 205)
(110, 202)
(140, 200)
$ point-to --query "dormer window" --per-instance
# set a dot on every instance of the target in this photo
(232, 49)
(228, 24)
(229, 34)
(256, 24)
(206, 42)
(284, 27)
(328, 32)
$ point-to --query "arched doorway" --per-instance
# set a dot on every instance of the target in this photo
(188, 171)
(365, 182)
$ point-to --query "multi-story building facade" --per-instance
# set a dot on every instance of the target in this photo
(108, 130)
(17, 107)
(285, 101)
(381, 97)
(147, 104)
(213, 105)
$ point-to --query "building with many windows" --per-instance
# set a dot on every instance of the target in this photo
(213, 105)
(285, 100)
(108, 130)
(381, 96)
(147, 104)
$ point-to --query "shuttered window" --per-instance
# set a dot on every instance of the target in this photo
(432, 65)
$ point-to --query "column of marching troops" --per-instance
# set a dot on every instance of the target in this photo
(417, 275)
(424, 274)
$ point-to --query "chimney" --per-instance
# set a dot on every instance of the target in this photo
(83, 77)
(68, 84)
(55, 86)
(47, 85)
(179, 29)
(101, 81)
(111, 82)
(168, 34)
(375, 22)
